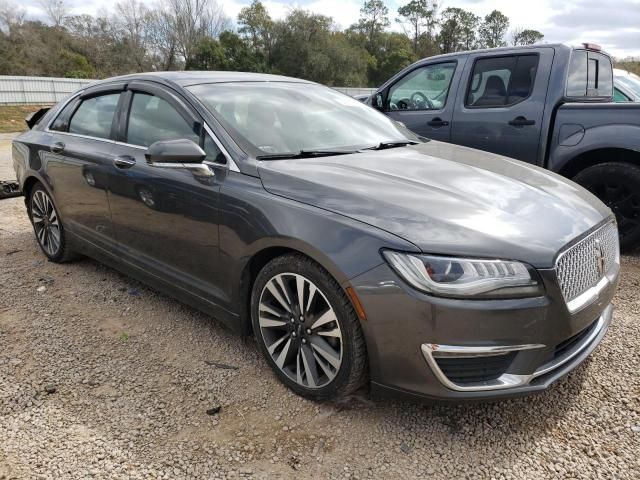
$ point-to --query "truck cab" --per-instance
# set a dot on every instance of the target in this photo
(548, 105)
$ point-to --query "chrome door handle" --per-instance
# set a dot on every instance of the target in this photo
(124, 161)
(57, 147)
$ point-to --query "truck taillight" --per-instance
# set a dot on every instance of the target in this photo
(592, 46)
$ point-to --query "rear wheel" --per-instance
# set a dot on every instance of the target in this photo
(307, 329)
(48, 226)
(617, 184)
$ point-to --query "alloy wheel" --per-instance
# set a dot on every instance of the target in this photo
(45, 222)
(300, 330)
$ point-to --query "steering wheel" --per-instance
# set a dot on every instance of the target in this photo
(424, 99)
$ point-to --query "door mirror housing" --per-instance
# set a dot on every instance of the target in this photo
(377, 101)
(174, 153)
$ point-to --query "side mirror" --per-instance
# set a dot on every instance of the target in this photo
(175, 153)
(377, 101)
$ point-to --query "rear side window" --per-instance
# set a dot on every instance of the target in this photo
(501, 81)
(94, 116)
(152, 119)
(590, 75)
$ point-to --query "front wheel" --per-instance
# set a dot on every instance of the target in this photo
(307, 329)
(617, 184)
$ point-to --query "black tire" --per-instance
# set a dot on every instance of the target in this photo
(617, 184)
(57, 251)
(353, 371)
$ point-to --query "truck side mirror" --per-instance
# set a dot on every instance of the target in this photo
(377, 101)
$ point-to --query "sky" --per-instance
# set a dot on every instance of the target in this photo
(614, 24)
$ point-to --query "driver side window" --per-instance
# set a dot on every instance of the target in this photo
(425, 88)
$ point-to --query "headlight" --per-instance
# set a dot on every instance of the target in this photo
(462, 277)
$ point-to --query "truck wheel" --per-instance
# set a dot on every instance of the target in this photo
(617, 184)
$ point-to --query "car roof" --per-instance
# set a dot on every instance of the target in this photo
(188, 77)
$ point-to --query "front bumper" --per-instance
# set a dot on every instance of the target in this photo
(415, 341)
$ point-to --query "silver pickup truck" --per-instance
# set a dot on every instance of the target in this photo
(549, 105)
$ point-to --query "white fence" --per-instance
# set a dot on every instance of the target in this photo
(49, 90)
(37, 90)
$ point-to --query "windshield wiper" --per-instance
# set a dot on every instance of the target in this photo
(391, 144)
(304, 154)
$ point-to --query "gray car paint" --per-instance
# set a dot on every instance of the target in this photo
(446, 199)
(341, 212)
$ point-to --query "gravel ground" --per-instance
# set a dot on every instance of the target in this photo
(101, 377)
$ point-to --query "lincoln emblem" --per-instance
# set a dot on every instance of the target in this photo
(599, 251)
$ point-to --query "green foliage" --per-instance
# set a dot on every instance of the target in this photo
(527, 37)
(76, 65)
(629, 64)
(493, 30)
(191, 34)
(419, 17)
(458, 29)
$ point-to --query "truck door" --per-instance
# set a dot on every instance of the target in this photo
(423, 99)
(501, 107)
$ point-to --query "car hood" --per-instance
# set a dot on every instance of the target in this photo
(446, 199)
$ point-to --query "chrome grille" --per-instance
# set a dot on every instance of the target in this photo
(578, 267)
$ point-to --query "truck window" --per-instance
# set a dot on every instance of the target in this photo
(501, 81)
(425, 88)
(620, 97)
(590, 75)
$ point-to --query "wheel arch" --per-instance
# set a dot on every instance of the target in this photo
(260, 257)
(27, 187)
(597, 156)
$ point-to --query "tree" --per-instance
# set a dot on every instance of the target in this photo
(526, 36)
(207, 55)
(132, 23)
(458, 30)
(56, 10)
(493, 30)
(256, 25)
(416, 16)
(308, 46)
(374, 18)
(191, 20)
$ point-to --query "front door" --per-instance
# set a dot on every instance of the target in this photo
(422, 99)
(501, 108)
(165, 218)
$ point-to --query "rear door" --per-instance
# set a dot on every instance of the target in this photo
(165, 218)
(79, 159)
(501, 107)
(423, 98)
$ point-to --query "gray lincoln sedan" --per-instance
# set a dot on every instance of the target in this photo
(354, 251)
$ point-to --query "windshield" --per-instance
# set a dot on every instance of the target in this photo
(286, 117)
(631, 82)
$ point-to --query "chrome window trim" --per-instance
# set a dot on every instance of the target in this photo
(89, 137)
(231, 164)
(507, 380)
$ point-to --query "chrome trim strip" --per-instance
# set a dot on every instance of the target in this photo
(231, 164)
(463, 352)
(508, 380)
(591, 295)
(230, 161)
(88, 137)
(602, 323)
